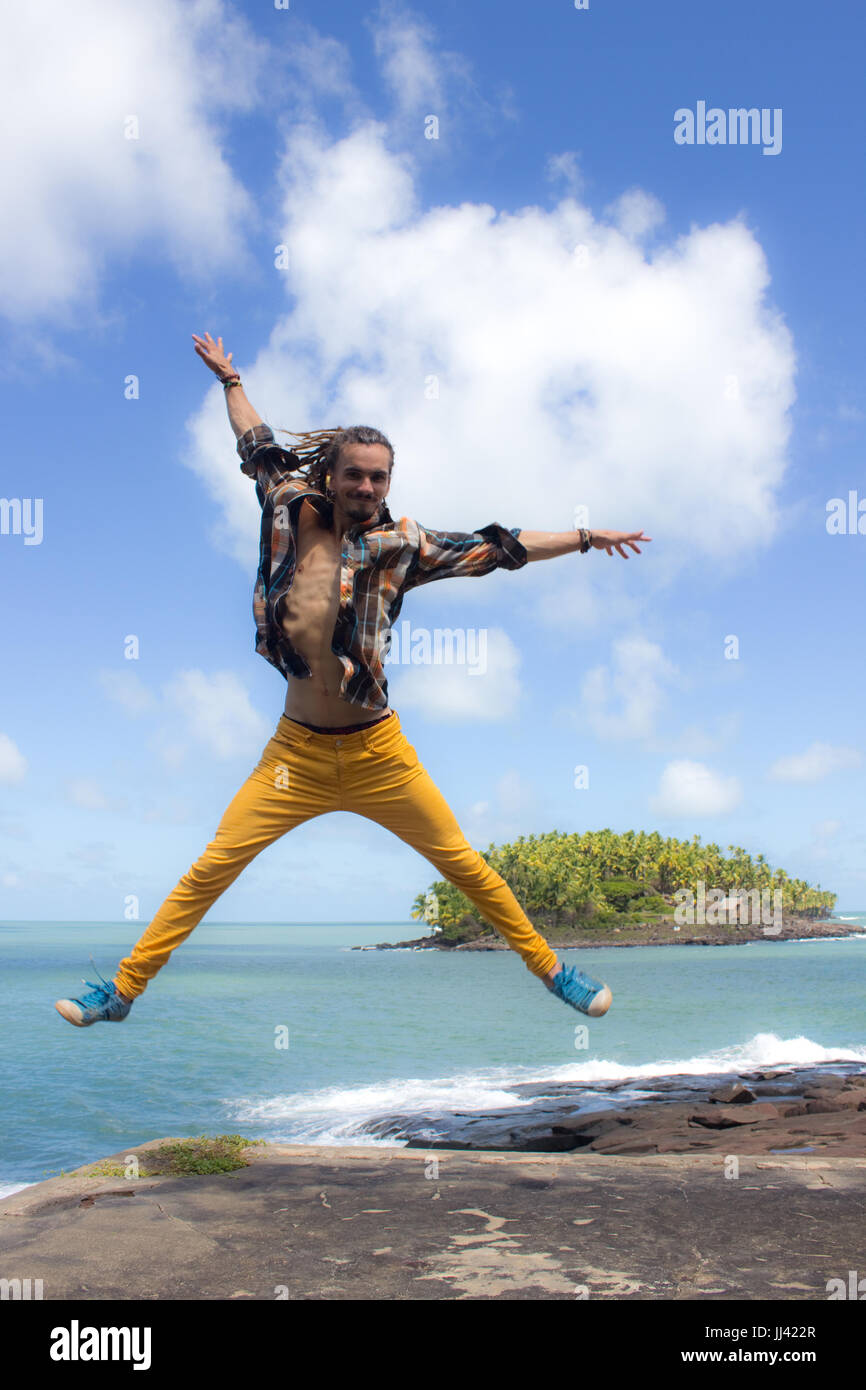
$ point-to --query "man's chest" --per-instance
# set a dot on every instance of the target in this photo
(318, 562)
(307, 559)
(318, 552)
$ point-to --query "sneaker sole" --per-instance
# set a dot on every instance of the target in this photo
(601, 1003)
(70, 1012)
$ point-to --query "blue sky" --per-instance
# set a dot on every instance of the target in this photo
(666, 334)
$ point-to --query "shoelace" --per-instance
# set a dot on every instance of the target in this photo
(575, 987)
(99, 992)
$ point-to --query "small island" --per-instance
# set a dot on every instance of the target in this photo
(600, 888)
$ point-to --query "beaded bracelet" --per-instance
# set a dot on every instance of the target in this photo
(230, 381)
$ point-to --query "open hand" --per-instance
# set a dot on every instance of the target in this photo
(212, 353)
(615, 540)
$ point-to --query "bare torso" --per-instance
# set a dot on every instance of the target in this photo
(307, 615)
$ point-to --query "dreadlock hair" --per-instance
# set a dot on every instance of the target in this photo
(319, 450)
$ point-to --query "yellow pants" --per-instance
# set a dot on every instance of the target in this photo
(374, 772)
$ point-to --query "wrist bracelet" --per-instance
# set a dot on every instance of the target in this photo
(585, 540)
(230, 381)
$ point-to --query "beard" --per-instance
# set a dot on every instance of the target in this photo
(362, 510)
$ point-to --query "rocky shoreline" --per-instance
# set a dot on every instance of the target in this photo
(309, 1222)
(818, 1110)
(640, 934)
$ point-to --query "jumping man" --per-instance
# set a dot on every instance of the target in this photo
(334, 568)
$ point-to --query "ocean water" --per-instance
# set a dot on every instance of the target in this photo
(286, 1033)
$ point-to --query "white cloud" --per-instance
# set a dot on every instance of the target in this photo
(485, 686)
(125, 687)
(826, 829)
(198, 710)
(663, 379)
(424, 79)
(693, 789)
(653, 392)
(514, 794)
(505, 814)
(624, 700)
(565, 166)
(696, 740)
(82, 189)
(409, 65)
(13, 764)
(636, 212)
(217, 714)
(170, 749)
(88, 794)
(818, 761)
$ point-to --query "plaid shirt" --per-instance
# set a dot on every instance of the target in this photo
(381, 560)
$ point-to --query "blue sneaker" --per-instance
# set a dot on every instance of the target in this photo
(581, 991)
(103, 1004)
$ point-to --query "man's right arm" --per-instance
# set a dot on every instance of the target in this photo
(242, 416)
(261, 457)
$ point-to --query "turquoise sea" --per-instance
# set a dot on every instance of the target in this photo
(286, 1033)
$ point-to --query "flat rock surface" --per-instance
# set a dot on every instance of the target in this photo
(314, 1222)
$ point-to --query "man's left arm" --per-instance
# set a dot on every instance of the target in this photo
(462, 554)
(546, 545)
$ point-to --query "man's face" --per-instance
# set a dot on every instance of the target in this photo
(361, 480)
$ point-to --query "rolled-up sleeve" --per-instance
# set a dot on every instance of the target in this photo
(457, 554)
(265, 461)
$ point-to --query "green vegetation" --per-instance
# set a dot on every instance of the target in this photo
(595, 879)
(221, 1154)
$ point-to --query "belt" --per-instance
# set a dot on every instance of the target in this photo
(346, 729)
